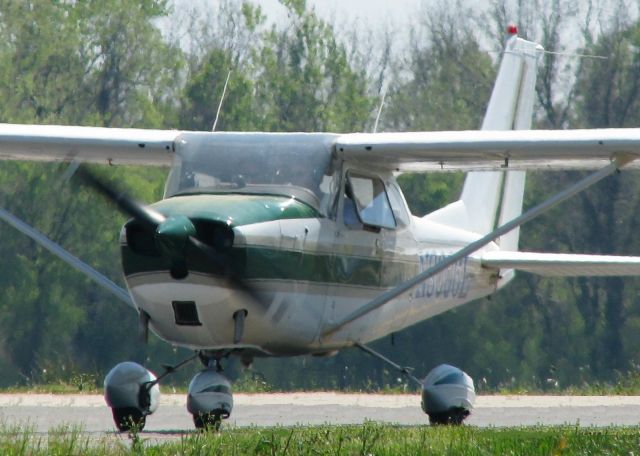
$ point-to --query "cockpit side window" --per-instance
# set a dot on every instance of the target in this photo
(398, 204)
(368, 197)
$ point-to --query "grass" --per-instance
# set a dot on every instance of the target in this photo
(77, 383)
(368, 439)
(51, 388)
(623, 384)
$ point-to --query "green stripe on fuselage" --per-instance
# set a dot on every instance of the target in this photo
(264, 263)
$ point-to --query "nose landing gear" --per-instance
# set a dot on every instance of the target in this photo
(210, 399)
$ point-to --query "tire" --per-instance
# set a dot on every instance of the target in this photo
(207, 421)
(452, 417)
(438, 419)
(128, 419)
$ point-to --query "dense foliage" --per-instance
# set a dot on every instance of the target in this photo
(119, 63)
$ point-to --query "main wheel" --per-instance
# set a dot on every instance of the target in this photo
(206, 421)
(128, 418)
(453, 417)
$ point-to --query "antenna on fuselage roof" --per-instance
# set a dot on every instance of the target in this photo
(375, 125)
(224, 91)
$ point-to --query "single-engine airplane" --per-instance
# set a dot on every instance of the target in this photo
(284, 244)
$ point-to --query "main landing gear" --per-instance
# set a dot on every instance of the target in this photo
(448, 393)
(133, 393)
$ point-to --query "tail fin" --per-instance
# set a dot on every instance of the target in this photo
(492, 198)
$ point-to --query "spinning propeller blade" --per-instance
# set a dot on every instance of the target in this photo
(156, 223)
(147, 217)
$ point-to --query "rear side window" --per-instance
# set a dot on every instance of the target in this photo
(371, 200)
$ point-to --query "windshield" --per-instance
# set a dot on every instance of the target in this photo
(295, 164)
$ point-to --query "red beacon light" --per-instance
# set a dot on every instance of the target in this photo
(512, 29)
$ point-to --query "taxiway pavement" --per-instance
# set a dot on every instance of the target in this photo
(89, 412)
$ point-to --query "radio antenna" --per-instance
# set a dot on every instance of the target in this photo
(375, 125)
(224, 91)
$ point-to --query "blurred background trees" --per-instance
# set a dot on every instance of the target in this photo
(141, 64)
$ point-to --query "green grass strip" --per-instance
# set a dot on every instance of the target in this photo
(367, 439)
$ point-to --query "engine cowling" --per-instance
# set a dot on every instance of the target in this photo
(448, 395)
(126, 387)
(209, 397)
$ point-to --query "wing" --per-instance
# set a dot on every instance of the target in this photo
(127, 146)
(562, 264)
(469, 150)
(421, 151)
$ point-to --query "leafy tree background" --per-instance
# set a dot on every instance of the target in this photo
(118, 64)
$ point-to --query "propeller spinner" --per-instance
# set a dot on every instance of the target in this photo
(173, 235)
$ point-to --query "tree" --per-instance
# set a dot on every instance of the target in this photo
(304, 81)
(41, 55)
(131, 71)
(70, 63)
(204, 93)
(608, 96)
(443, 84)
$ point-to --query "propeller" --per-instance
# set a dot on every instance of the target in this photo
(172, 234)
(148, 218)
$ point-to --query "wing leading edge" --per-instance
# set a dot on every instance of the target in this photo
(124, 146)
(518, 149)
(562, 264)
(419, 151)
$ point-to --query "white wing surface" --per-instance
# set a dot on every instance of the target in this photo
(562, 264)
(126, 146)
(421, 151)
(519, 149)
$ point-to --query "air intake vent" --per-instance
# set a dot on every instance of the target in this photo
(186, 313)
(140, 240)
(216, 234)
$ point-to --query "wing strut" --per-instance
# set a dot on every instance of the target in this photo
(61, 253)
(617, 163)
(406, 371)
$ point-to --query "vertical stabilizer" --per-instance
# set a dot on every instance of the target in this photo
(494, 197)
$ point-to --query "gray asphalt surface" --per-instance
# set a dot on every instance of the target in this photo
(89, 412)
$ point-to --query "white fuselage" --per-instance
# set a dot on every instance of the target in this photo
(331, 270)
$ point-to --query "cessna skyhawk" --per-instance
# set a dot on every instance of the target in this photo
(278, 244)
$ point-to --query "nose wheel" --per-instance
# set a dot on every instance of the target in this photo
(210, 400)
(208, 421)
(454, 417)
